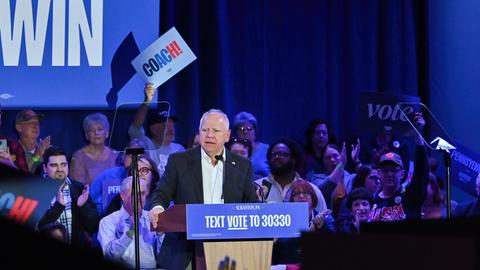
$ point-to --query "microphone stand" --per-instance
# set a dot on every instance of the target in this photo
(134, 153)
(447, 158)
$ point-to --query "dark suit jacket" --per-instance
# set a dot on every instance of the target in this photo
(182, 183)
(468, 210)
(84, 219)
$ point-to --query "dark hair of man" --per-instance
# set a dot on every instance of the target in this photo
(311, 130)
(295, 152)
(52, 151)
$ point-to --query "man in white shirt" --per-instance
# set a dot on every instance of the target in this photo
(116, 231)
(196, 176)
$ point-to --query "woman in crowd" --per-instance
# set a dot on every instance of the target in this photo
(318, 135)
(359, 202)
(243, 148)
(335, 182)
(94, 158)
(434, 206)
(369, 178)
(245, 126)
(287, 250)
(148, 172)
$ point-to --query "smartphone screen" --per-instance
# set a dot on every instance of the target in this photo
(3, 145)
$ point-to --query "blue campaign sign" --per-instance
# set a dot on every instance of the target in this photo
(245, 221)
(378, 112)
(73, 54)
(465, 168)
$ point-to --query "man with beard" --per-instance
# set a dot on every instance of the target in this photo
(284, 157)
(71, 206)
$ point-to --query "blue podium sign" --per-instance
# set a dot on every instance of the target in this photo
(246, 221)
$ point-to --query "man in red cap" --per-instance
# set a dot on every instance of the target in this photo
(393, 202)
(27, 124)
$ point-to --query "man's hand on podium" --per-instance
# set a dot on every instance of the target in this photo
(153, 215)
(226, 265)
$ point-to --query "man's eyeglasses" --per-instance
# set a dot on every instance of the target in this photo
(237, 140)
(144, 171)
(246, 128)
(280, 154)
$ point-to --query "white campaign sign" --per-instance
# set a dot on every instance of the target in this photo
(163, 58)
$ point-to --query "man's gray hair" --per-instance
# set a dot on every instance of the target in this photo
(126, 184)
(217, 111)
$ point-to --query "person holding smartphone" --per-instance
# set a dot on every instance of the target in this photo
(5, 157)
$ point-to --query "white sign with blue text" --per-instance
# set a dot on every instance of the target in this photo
(163, 58)
(243, 221)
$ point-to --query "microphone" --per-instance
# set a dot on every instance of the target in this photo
(220, 158)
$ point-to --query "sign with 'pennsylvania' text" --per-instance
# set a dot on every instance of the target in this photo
(241, 221)
(163, 58)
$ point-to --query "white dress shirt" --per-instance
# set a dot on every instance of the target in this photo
(212, 179)
(117, 246)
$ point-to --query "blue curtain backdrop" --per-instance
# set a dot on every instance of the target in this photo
(288, 62)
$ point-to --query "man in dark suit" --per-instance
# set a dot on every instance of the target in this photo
(196, 176)
(471, 208)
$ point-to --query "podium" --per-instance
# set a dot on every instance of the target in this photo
(243, 232)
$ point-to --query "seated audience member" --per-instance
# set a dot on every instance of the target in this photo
(160, 127)
(469, 209)
(433, 164)
(302, 191)
(147, 172)
(243, 148)
(28, 153)
(245, 126)
(194, 141)
(284, 157)
(116, 231)
(369, 178)
(111, 179)
(5, 144)
(287, 250)
(393, 202)
(72, 206)
(94, 158)
(385, 141)
(335, 182)
(54, 230)
(318, 135)
(359, 202)
(434, 206)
